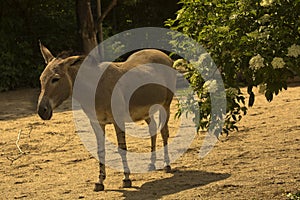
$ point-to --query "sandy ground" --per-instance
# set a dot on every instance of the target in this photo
(261, 161)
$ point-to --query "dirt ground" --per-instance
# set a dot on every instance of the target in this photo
(261, 161)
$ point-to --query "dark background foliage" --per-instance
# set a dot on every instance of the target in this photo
(24, 22)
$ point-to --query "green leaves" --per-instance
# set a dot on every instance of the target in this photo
(22, 24)
(238, 32)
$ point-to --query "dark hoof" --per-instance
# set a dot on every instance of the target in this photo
(99, 187)
(151, 167)
(127, 183)
(167, 169)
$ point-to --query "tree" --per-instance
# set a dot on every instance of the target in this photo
(55, 23)
(256, 40)
(86, 24)
(101, 16)
(88, 27)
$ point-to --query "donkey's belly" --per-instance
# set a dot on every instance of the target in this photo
(141, 113)
(148, 95)
(136, 113)
(146, 100)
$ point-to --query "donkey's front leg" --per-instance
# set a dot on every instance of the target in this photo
(100, 136)
(100, 186)
(122, 149)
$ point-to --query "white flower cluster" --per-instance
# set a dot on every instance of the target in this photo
(256, 62)
(210, 86)
(180, 63)
(294, 51)
(278, 63)
(233, 16)
(204, 64)
(266, 3)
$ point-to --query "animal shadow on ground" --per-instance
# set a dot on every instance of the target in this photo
(180, 181)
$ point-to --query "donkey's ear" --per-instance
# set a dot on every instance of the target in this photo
(46, 53)
(74, 60)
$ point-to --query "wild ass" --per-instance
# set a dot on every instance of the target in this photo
(57, 81)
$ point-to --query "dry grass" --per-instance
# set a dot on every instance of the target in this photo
(261, 161)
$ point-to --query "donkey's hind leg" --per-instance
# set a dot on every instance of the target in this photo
(165, 136)
(153, 133)
(122, 149)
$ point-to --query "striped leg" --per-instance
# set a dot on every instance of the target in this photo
(152, 130)
(165, 136)
(100, 136)
(122, 149)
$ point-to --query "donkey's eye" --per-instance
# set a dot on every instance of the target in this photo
(54, 80)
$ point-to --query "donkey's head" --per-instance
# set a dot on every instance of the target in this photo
(56, 80)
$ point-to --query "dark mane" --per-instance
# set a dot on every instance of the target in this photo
(65, 54)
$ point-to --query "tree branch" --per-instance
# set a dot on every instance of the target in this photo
(104, 14)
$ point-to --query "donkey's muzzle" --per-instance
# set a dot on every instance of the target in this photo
(45, 111)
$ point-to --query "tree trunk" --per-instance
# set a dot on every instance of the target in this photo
(98, 24)
(99, 27)
(86, 24)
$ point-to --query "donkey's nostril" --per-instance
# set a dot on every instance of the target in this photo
(45, 112)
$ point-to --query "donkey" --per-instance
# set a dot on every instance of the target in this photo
(57, 81)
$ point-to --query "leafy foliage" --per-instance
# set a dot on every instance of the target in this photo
(292, 196)
(256, 42)
(23, 23)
